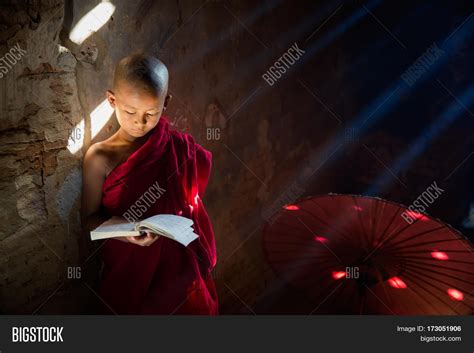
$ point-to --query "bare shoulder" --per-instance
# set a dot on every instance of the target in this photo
(97, 158)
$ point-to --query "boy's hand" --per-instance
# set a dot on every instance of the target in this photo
(143, 240)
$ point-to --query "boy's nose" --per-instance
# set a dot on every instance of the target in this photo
(142, 119)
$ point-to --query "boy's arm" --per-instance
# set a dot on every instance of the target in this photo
(93, 176)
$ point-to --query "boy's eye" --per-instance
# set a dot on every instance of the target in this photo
(151, 114)
(129, 112)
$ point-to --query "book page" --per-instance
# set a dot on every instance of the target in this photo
(174, 227)
(114, 227)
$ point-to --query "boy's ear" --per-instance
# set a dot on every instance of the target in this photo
(167, 101)
(111, 98)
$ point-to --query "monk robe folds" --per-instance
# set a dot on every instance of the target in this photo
(168, 174)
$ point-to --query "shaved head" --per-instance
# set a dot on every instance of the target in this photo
(140, 94)
(144, 72)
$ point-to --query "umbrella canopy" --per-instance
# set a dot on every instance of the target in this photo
(364, 255)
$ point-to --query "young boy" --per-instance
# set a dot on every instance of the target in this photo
(149, 274)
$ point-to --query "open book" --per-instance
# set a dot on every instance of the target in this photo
(171, 226)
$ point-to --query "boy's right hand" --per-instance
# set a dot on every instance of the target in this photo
(142, 240)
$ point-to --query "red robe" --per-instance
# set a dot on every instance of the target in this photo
(165, 277)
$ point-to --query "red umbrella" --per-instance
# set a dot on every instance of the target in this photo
(364, 255)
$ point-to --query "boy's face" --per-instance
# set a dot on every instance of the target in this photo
(137, 111)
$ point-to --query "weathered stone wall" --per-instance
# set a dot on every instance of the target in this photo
(39, 176)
